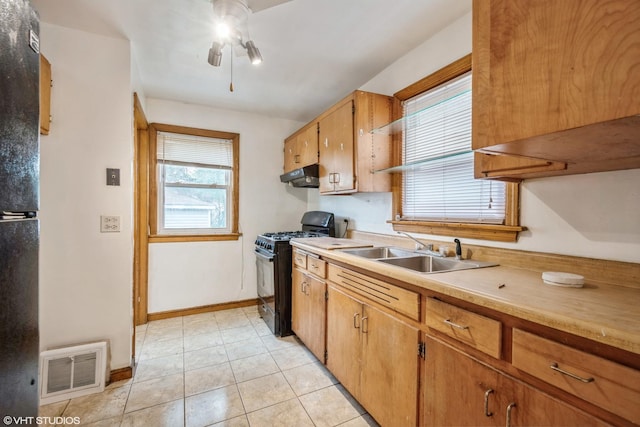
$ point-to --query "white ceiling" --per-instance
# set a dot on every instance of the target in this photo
(315, 51)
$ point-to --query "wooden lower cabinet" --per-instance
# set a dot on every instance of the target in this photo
(460, 391)
(374, 355)
(308, 311)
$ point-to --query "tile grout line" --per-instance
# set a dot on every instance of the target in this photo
(270, 348)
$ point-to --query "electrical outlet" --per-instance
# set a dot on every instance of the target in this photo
(109, 224)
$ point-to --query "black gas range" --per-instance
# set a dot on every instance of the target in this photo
(273, 268)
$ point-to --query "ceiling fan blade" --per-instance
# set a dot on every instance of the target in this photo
(258, 5)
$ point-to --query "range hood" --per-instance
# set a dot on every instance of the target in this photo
(306, 176)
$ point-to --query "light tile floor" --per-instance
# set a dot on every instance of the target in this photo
(223, 369)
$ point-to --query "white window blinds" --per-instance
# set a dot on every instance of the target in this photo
(195, 150)
(438, 185)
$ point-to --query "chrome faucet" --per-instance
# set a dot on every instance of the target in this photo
(421, 247)
(419, 244)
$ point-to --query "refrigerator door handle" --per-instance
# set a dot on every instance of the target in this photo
(17, 215)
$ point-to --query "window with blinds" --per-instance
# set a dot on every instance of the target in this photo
(194, 176)
(438, 182)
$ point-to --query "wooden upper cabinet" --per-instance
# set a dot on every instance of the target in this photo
(556, 83)
(336, 150)
(45, 95)
(301, 148)
(349, 152)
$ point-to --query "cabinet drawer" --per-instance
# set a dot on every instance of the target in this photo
(478, 331)
(300, 259)
(602, 382)
(401, 300)
(316, 266)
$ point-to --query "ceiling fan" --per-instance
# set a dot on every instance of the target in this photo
(231, 22)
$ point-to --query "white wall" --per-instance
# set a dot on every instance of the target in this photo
(183, 275)
(593, 215)
(85, 275)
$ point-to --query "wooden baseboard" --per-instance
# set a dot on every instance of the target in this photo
(120, 374)
(201, 309)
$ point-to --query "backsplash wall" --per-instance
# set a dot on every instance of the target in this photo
(593, 215)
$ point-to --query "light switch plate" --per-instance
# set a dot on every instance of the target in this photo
(113, 176)
(109, 224)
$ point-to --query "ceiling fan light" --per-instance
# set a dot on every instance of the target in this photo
(215, 54)
(254, 53)
(223, 30)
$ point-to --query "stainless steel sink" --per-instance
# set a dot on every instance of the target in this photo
(414, 260)
(430, 264)
(380, 252)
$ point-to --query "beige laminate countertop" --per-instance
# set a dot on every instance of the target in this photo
(606, 314)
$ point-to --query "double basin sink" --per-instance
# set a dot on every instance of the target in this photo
(416, 260)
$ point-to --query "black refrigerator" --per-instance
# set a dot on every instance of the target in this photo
(19, 227)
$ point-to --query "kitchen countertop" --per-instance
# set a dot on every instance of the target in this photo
(330, 243)
(606, 314)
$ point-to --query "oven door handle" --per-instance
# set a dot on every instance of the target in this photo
(264, 256)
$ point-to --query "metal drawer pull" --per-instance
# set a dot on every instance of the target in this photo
(509, 408)
(365, 331)
(486, 403)
(455, 325)
(355, 321)
(555, 367)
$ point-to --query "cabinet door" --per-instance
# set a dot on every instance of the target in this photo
(456, 387)
(290, 149)
(316, 316)
(343, 148)
(308, 145)
(541, 67)
(336, 150)
(344, 316)
(326, 161)
(299, 304)
(531, 407)
(460, 391)
(389, 372)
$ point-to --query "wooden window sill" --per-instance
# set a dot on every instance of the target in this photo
(494, 232)
(165, 238)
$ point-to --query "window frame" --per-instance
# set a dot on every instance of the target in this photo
(155, 235)
(507, 232)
